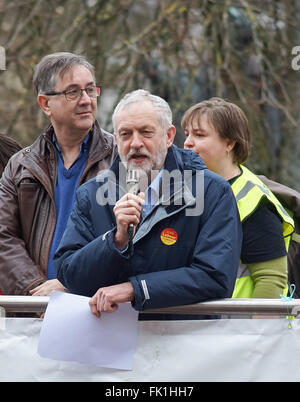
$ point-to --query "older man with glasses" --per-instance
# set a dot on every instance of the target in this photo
(37, 189)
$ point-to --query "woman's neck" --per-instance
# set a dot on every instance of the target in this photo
(229, 170)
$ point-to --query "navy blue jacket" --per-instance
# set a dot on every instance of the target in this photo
(196, 260)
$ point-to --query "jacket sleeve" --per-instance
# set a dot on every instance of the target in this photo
(213, 270)
(84, 261)
(18, 272)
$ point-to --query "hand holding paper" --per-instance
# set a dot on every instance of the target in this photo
(106, 299)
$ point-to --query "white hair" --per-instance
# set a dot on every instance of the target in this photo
(140, 95)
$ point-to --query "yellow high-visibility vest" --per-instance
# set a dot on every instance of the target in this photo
(249, 191)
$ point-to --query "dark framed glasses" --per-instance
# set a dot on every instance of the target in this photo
(76, 94)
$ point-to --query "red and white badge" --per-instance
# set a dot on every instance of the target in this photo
(168, 236)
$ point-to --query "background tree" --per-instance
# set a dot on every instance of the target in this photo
(184, 51)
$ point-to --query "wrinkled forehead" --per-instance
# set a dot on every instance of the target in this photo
(136, 106)
(139, 112)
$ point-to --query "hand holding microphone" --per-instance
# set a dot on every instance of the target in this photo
(128, 210)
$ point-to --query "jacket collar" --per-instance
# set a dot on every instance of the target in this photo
(99, 140)
(42, 153)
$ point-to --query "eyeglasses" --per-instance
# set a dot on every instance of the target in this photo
(75, 94)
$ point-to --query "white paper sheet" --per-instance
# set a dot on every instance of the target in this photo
(70, 332)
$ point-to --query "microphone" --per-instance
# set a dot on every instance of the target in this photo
(132, 183)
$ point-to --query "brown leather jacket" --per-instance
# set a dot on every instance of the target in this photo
(27, 207)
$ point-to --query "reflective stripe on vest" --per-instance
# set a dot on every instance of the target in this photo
(249, 191)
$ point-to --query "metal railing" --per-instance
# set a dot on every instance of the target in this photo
(277, 307)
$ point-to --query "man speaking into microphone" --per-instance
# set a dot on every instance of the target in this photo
(154, 246)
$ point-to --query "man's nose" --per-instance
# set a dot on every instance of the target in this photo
(84, 98)
(136, 140)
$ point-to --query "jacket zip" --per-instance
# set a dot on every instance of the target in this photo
(46, 220)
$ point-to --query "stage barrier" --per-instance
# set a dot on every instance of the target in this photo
(262, 349)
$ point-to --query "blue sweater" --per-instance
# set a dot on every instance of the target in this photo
(66, 185)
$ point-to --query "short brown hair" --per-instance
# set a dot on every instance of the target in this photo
(55, 65)
(229, 121)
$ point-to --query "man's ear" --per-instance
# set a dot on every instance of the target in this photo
(43, 101)
(171, 135)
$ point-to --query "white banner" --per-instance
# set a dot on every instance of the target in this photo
(173, 351)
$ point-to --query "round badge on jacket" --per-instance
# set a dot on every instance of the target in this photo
(168, 236)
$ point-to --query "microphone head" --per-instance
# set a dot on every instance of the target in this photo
(132, 181)
(132, 176)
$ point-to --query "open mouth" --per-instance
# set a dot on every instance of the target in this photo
(138, 158)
